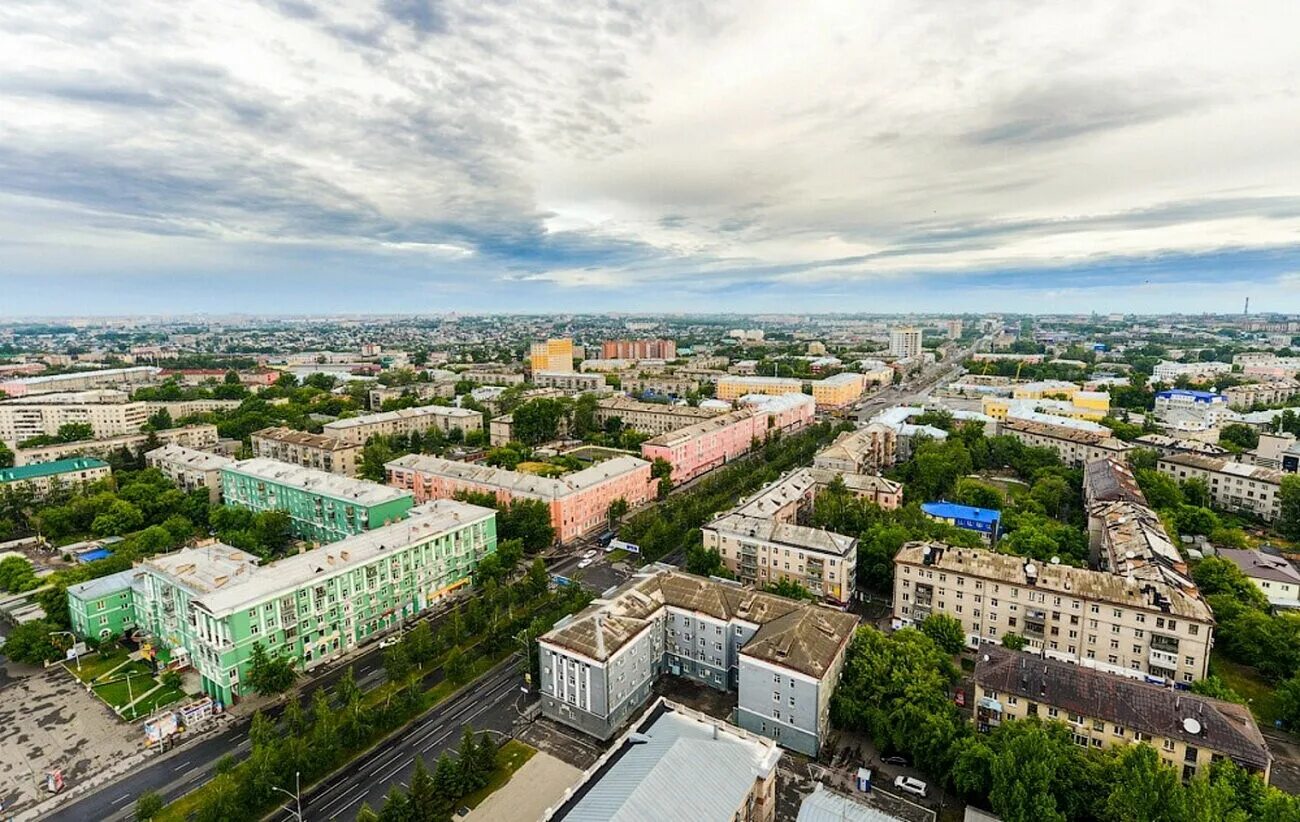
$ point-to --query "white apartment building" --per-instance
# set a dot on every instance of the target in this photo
(190, 469)
(1183, 407)
(1274, 576)
(445, 418)
(905, 343)
(191, 436)
(1167, 372)
(1234, 486)
(104, 411)
(1094, 618)
(569, 380)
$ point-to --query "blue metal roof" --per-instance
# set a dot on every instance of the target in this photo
(1198, 396)
(952, 510)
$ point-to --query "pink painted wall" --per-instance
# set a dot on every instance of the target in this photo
(695, 455)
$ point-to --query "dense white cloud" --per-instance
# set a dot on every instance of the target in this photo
(545, 151)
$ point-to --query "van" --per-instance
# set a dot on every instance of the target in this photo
(910, 784)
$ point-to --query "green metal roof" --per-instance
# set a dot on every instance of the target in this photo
(49, 469)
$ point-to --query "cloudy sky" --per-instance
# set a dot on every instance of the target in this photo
(422, 155)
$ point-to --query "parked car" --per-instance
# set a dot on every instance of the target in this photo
(910, 784)
(390, 640)
(895, 760)
(586, 562)
(589, 554)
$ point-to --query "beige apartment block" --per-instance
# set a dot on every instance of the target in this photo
(191, 436)
(650, 417)
(1234, 486)
(1076, 447)
(105, 411)
(190, 469)
(445, 418)
(318, 451)
(765, 551)
(569, 380)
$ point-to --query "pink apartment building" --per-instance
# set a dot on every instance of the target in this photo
(579, 502)
(785, 412)
(705, 445)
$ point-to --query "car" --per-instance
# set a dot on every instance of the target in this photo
(910, 784)
(589, 554)
(586, 562)
(895, 760)
(390, 640)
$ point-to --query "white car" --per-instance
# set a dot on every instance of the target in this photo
(390, 641)
(590, 554)
(586, 562)
(910, 784)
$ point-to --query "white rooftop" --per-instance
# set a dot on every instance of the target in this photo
(518, 482)
(190, 457)
(404, 413)
(362, 492)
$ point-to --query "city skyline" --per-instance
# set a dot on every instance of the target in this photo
(418, 157)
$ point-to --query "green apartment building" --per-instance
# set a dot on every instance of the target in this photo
(103, 607)
(324, 507)
(208, 606)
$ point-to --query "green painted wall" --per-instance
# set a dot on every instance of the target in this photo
(315, 516)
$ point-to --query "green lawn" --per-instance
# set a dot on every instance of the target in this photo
(510, 758)
(118, 694)
(94, 666)
(136, 667)
(1247, 682)
(159, 698)
(617, 555)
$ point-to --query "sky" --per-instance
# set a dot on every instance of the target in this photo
(287, 156)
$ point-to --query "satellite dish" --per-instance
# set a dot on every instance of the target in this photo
(1030, 570)
(1056, 560)
(1192, 725)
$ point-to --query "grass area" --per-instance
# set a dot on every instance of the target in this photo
(1252, 687)
(541, 469)
(119, 693)
(160, 698)
(136, 667)
(617, 555)
(510, 758)
(94, 666)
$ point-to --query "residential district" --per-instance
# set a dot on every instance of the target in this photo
(624, 567)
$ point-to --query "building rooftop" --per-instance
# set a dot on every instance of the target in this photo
(103, 586)
(1110, 480)
(1081, 583)
(190, 457)
(1062, 428)
(1134, 544)
(827, 805)
(518, 482)
(91, 396)
(858, 483)
(845, 378)
(361, 492)
(426, 521)
(1222, 466)
(808, 646)
(785, 533)
(303, 438)
(1195, 396)
(206, 569)
(674, 765)
(404, 413)
(1159, 441)
(699, 429)
(23, 473)
(775, 403)
(102, 372)
(797, 385)
(1222, 727)
(684, 411)
(796, 485)
(1258, 565)
(952, 510)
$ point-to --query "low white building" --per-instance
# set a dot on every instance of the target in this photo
(1275, 576)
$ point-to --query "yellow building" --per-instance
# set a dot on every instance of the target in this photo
(838, 391)
(1082, 405)
(552, 355)
(732, 387)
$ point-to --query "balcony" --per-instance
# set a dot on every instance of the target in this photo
(1167, 644)
(1163, 659)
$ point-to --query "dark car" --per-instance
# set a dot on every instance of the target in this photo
(895, 760)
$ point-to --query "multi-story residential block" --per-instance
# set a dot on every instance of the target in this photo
(444, 389)
(106, 412)
(1275, 576)
(501, 430)
(1234, 486)
(1261, 393)
(649, 417)
(323, 507)
(784, 657)
(789, 499)
(179, 409)
(639, 349)
(330, 454)
(839, 390)
(103, 607)
(487, 375)
(552, 355)
(1182, 406)
(765, 551)
(1008, 356)
(953, 328)
(867, 450)
(191, 436)
(905, 343)
(445, 418)
(39, 478)
(190, 469)
(1095, 618)
(734, 387)
(80, 381)
(1168, 372)
(569, 380)
(1125, 536)
(705, 445)
(785, 413)
(885, 493)
(578, 502)
(1073, 445)
(876, 372)
(664, 385)
(209, 606)
(1165, 445)
(1188, 731)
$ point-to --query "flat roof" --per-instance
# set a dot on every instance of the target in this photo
(190, 457)
(518, 482)
(205, 569)
(295, 437)
(22, 473)
(98, 372)
(953, 510)
(404, 413)
(361, 492)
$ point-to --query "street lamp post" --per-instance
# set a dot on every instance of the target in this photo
(297, 795)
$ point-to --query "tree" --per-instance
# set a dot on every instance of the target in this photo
(1196, 491)
(1143, 789)
(785, 587)
(972, 492)
(946, 631)
(397, 664)
(1288, 701)
(419, 643)
(617, 510)
(1214, 687)
(374, 456)
(426, 805)
(1238, 437)
(1160, 490)
(75, 432)
(397, 807)
(1288, 521)
(1023, 776)
(120, 518)
(270, 674)
(148, 805)
(1015, 642)
(446, 778)
(527, 520)
(537, 421)
(17, 575)
(160, 420)
(30, 643)
(6, 456)
(171, 679)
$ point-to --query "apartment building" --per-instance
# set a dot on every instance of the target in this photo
(39, 478)
(1125, 536)
(329, 454)
(1075, 446)
(650, 417)
(1261, 393)
(551, 355)
(445, 389)
(1169, 372)
(1273, 575)
(1164, 445)
(210, 605)
(1189, 732)
(876, 372)
(1180, 405)
(1234, 486)
(785, 413)
(179, 409)
(569, 380)
(579, 502)
(883, 492)
(323, 507)
(493, 376)
(106, 412)
(638, 350)
(764, 551)
(445, 418)
(867, 450)
(905, 343)
(664, 385)
(80, 381)
(191, 436)
(784, 657)
(103, 607)
(705, 445)
(1097, 619)
(190, 469)
(838, 391)
(733, 387)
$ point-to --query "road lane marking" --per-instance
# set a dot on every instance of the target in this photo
(182, 766)
(121, 798)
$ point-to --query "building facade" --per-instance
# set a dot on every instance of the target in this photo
(423, 418)
(1076, 447)
(1275, 576)
(762, 552)
(551, 355)
(329, 454)
(103, 607)
(838, 391)
(703, 446)
(80, 381)
(190, 468)
(733, 387)
(649, 417)
(39, 478)
(784, 413)
(106, 412)
(569, 380)
(1234, 486)
(905, 343)
(324, 507)
(1180, 404)
(638, 350)
(191, 436)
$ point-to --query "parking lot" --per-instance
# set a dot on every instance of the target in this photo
(48, 720)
